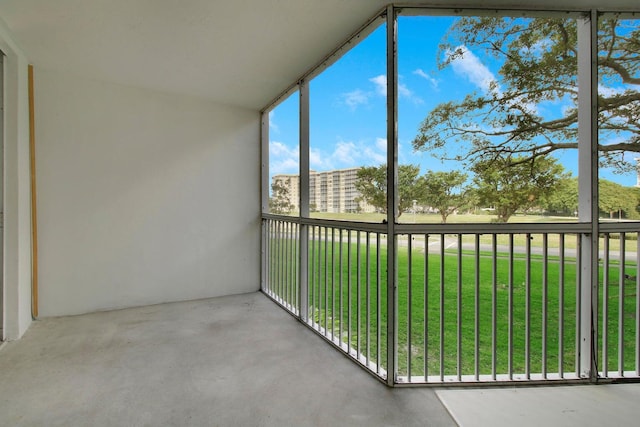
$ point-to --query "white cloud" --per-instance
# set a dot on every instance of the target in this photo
(567, 108)
(355, 98)
(347, 154)
(277, 148)
(404, 91)
(374, 157)
(359, 97)
(315, 160)
(434, 82)
(284, 166)
(538, 48)
(283, 159)
(611, 140)
(467, 64)
(609, 91)
(380, 83)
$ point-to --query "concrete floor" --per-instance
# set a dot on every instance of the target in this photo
(231, 361)
(243, 361)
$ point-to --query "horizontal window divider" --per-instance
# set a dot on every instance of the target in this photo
(619, 15)
(529, 11)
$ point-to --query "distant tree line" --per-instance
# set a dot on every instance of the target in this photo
(504, 187)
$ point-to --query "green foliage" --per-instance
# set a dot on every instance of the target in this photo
(564, 200)
(445, 192)
(616, 200)
(538, 59)
(635, 195)
(509, 185)
(372, 185)
(280, 201)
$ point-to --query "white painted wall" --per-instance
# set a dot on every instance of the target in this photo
(17, 203)
(143, 197)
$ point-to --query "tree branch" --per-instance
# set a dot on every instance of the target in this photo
(620, 69)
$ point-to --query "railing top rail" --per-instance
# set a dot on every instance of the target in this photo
(347, 225)
(616, 227)
(275, 217)
(331, 223)
(475, 228)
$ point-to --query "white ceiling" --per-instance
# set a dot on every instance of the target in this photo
(237, 52)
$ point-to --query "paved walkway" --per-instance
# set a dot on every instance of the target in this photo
(584, 406)
(451, 243)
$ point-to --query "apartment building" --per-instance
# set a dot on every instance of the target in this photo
(330, 191)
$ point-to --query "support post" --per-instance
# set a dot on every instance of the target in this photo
(587, 28)
(264, 193)
(304, 202)
(392, 196)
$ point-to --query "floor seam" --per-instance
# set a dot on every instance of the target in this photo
(447, 408)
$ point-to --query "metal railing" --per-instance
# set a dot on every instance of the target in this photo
(619, 302)
(487, 307)
(347, 290)
(281, 247)
(484, 303)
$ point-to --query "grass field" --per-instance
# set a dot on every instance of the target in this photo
(441, 324)
(420, 218)
(409, 218)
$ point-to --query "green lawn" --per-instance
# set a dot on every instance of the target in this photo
(420, 218)
(519, 239)
(342, 274)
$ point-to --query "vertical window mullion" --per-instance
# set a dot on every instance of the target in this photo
(303, 281)
(392, 214)
(587, 28)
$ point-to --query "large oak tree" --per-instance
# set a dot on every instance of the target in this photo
(538, 64)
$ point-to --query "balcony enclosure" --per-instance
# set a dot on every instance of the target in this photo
(450, 197)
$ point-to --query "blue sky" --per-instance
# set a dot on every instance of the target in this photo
(348, 103)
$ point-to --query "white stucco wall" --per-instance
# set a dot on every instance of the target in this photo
(17, 203)
(143, 197)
